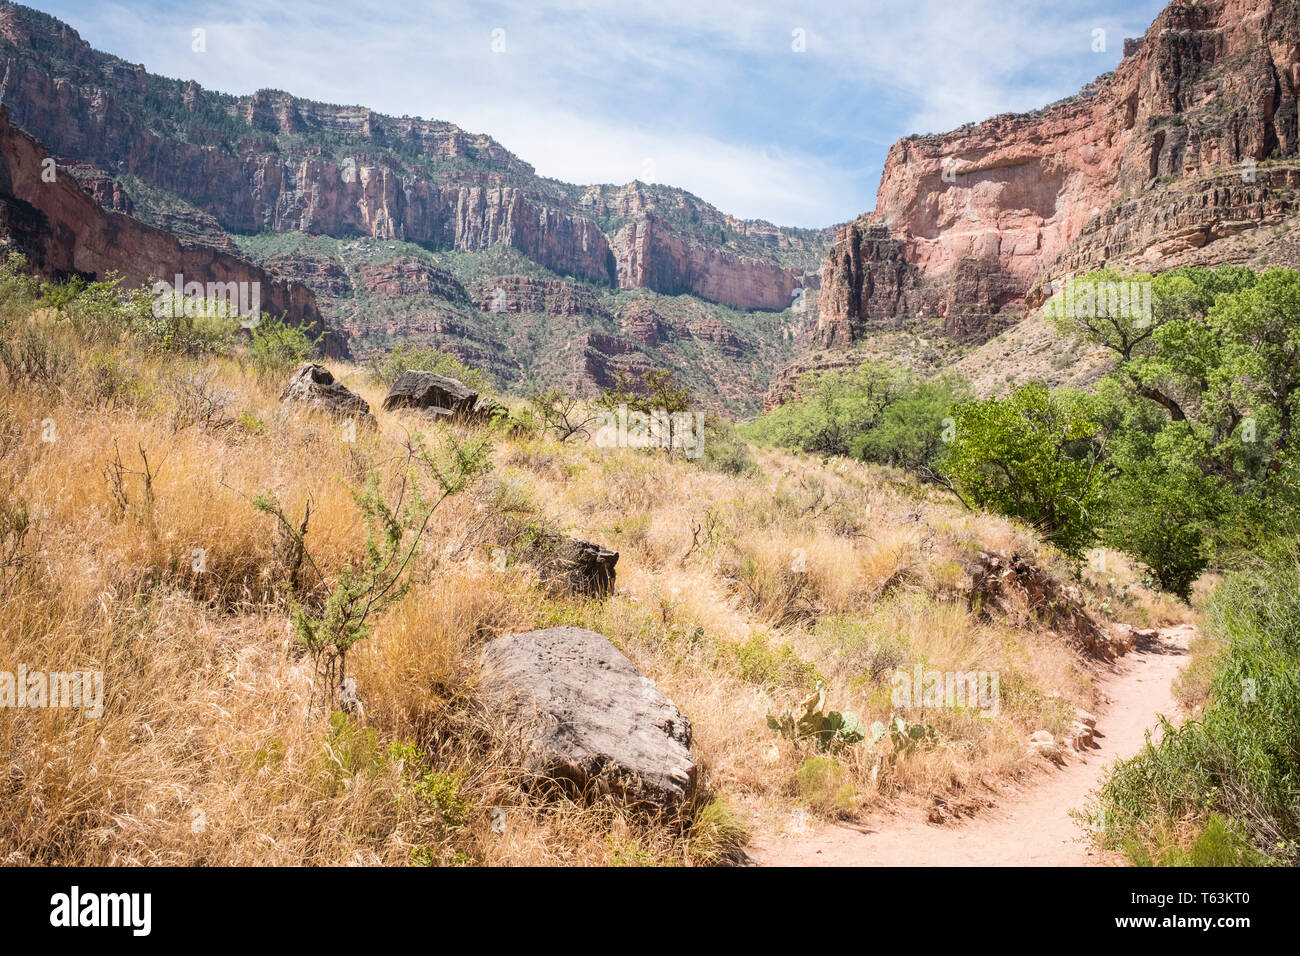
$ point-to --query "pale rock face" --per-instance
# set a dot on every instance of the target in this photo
(590, 717)
(647, 256)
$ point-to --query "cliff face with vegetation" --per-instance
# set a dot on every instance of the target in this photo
(63, 231)
(268, 175)
(274, 162)
(1153, 164)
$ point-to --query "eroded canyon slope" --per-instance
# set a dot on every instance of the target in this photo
(63, 231)
(412, 230)
(1185, 154)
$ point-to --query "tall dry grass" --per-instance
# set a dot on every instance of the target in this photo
(139, 554)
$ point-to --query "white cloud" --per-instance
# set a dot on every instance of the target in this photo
(710, 90)
(778, 183)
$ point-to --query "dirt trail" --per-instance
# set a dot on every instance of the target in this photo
(1027, 827)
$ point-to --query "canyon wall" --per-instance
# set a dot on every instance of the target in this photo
(970, 223)
(63, 231)
(273, 162)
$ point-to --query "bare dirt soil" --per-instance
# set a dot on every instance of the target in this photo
(1028, 826)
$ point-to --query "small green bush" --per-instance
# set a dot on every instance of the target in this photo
(717, 834)
(1237, 762)
(278, 348)
(823, 785)
(387, 369)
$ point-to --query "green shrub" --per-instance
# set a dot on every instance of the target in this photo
(722, 449)
(781, 667)
(387, 369)
(277, 348)
(19, 289)
(347, 751)
(1239, 760)
(1218, 843)
(874, 412)
(438, 790)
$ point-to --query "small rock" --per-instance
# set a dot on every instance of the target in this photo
(485, 409)
(1041, 737)
(315, 385)
(574, 566)
(1085, 718)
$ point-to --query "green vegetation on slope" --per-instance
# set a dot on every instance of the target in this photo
(1224, 789)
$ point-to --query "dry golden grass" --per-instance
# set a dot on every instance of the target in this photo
(734, 594)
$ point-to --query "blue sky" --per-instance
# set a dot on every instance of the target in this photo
(709, 95)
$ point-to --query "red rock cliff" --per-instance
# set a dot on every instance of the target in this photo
(967, 222)
(63, 231)
(271, 162)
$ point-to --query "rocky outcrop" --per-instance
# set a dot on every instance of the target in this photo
(507, 294)
(573, 566)
(1201, 220)
(63, 231)
(967, 222)
(589, 718)
(315, 387)
(323, 274)
(431, 392)
(649, 256)
(106, 190)
(408, 276)
(993, 578)
(645, 324)
(270, 162)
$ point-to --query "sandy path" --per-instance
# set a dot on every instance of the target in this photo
(1027, 827)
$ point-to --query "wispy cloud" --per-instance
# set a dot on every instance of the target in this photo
(782, 111)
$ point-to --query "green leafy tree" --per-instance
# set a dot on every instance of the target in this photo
(1035, 455)
(655, 391)
(1204, 401)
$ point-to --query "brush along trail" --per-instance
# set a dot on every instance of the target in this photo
(1030, 825)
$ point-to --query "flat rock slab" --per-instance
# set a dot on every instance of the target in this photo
(590, 717)
(314, 385)
(416, 389)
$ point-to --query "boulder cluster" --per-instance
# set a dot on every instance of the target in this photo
(584, 717)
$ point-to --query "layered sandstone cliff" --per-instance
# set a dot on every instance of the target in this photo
(648, 256)
(274, 162)
(57, 224)
(968, 223)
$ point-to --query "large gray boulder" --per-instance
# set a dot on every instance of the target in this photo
(590, 718)
(315, 386)
(427, 390)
